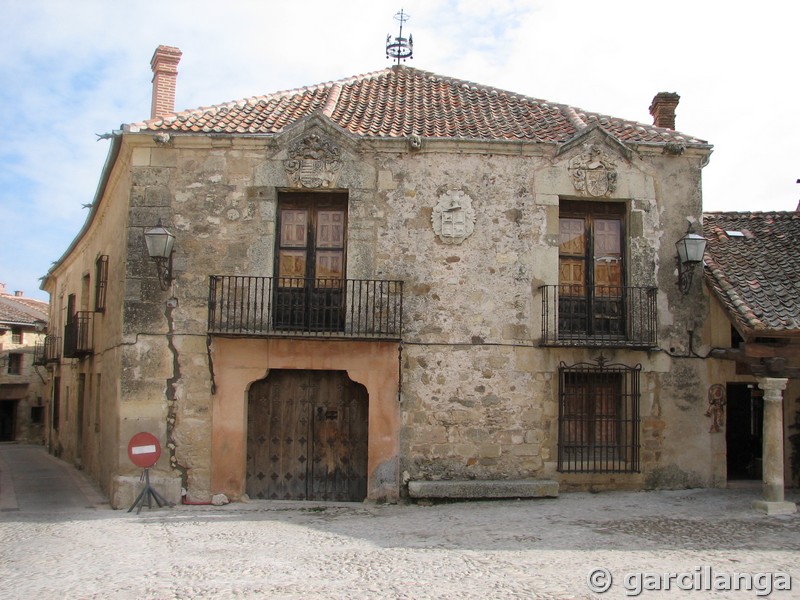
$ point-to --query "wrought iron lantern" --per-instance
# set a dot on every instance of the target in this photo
(159, 247)
(691, 248)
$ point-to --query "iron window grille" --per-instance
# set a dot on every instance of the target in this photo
(100, 283)
(598, 418)
(15, 363)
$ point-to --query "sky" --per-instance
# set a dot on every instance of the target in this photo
(70, 70)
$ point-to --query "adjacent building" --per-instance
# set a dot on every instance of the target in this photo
(395, 277)
(23, 322)
(753, 273)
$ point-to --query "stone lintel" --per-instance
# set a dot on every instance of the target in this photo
(775, 508)
(476, 488)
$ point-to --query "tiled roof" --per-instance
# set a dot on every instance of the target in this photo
(401, 101)
(753, 267)
(21, 311)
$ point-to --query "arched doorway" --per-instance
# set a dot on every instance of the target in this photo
(307, 437)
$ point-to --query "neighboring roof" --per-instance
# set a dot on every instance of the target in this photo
(17, 310)
(753, 267)
(401, 101)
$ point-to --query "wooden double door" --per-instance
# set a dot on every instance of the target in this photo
(591, 270)
(307, 437)
(310, 262)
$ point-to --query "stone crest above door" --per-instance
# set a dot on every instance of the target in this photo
(594, 172)
(313, 162)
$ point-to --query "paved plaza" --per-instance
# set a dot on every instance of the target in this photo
(60, 539)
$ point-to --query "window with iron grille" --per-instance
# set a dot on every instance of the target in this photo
(598, 418)
(15, 363)
(100, 283)
(16, 335)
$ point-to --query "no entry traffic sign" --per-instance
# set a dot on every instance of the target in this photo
(144, 450)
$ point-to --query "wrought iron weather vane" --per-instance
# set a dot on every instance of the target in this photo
(401, 48)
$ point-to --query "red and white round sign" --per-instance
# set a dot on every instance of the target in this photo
(144, 450)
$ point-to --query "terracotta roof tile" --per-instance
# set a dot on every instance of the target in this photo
(21, 310)
(401, 101)
(753, 267)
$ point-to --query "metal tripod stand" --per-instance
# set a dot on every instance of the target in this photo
(149, 493)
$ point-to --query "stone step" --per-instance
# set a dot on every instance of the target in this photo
(484, 488)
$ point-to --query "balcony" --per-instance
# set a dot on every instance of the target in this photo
(79, 335)
(310, 308)
(599, 316)
(47, 351)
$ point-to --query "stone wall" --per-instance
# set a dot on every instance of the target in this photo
(478, 393)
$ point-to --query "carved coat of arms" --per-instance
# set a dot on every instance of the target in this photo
(594, 172)
(453, 217)
(313, 163)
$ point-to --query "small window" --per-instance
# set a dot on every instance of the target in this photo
(598, 418)
(56, 408)
(37, 415)
(16, 335)
(100, 283)
(15, 363)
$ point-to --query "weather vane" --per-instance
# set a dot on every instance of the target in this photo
(401, 48)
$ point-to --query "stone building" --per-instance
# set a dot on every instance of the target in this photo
(22, 379)
(753, 272)
(390, 278)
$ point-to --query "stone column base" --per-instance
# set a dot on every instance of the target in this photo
(775, 508)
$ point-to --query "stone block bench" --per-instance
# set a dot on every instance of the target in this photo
(475, 489)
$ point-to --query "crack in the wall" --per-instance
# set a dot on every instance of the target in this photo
(211, 366)
(171, 398)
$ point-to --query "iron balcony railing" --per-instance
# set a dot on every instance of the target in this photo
(292, 306)
(79, 335)
(47, 350)
(599, 316)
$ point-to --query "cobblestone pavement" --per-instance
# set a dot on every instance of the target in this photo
(538, 549)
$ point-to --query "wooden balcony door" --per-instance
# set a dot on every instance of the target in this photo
(310, 262)
(591, 274)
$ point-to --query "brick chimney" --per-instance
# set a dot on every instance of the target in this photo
(663, 109)
(19, 293)
(165, 73)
